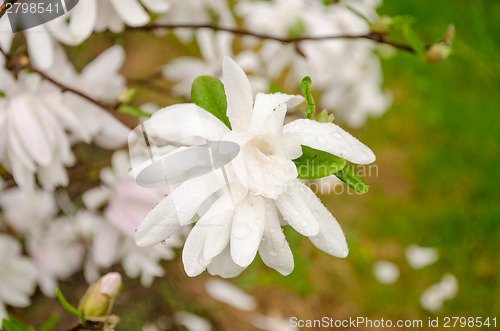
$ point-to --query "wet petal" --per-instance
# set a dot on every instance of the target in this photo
(131, 12)
(296, 211)
(331, 138)
(177, 209)
(330, 237)
(223, 265)
(265, 104)
(274, 249)
(239, 95)
(247, 229)
(185, 124)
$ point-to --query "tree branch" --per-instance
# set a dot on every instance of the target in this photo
(3, 7)
(287, 40)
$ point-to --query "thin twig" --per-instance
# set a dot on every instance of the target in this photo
(3, 7)
(237, 31)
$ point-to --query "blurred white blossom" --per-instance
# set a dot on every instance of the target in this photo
(386, 272)
(420, 257)
(192, 322)
(32, 130)
(17, 275)
(433, 297)
(126, 204)
(228, 293)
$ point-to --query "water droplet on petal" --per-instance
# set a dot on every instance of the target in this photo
(308, 131)
(163, 242)
(321, 139)
(241, 230)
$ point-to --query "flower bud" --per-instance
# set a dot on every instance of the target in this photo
(98, 301)
(438, 52)
(382, 25)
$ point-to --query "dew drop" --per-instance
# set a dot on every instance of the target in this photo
(308, 131)
(273, 253)
(163, 242)
(241, 230)
(321, 139)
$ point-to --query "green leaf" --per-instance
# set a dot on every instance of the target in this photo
(348, 176)
(297, 30)
(67, 305)
(324, 117)
(128, 96)
(2, 94)
(208, 93)
(314, 163)
(306, 89)
(413, 39)
(13, 324)
(133, 110)
(50, 323)
(275, 88)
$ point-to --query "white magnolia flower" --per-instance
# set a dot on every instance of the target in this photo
(352, 85)
(197, 11)
(77, 25)
(101, 80)
(420, 257)
(386, 272)
(240, 219)
(433, 297)
(56, 253)
(26, 211)
(126, 204)
(17, 275)
(32, 130)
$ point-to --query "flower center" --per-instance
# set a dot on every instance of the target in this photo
(261, 144)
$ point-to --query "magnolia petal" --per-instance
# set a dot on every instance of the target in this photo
(223, 265)
(274, 249)
(40, 47)
(177, 209)
(96, 197)
(111, 60)
(226, 292)
(296, 211)
(185, 124)
(330, 238)
(193, 249)
(6, 34)
(157, 6)
(82, 21)
(238, 94)
(30, 130)
(131, 12)
(104, 251)
(332, 139)
(218, 226)
(266, 104)
(247, 229)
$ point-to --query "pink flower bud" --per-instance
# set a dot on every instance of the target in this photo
(110, 283)
(98, 301)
